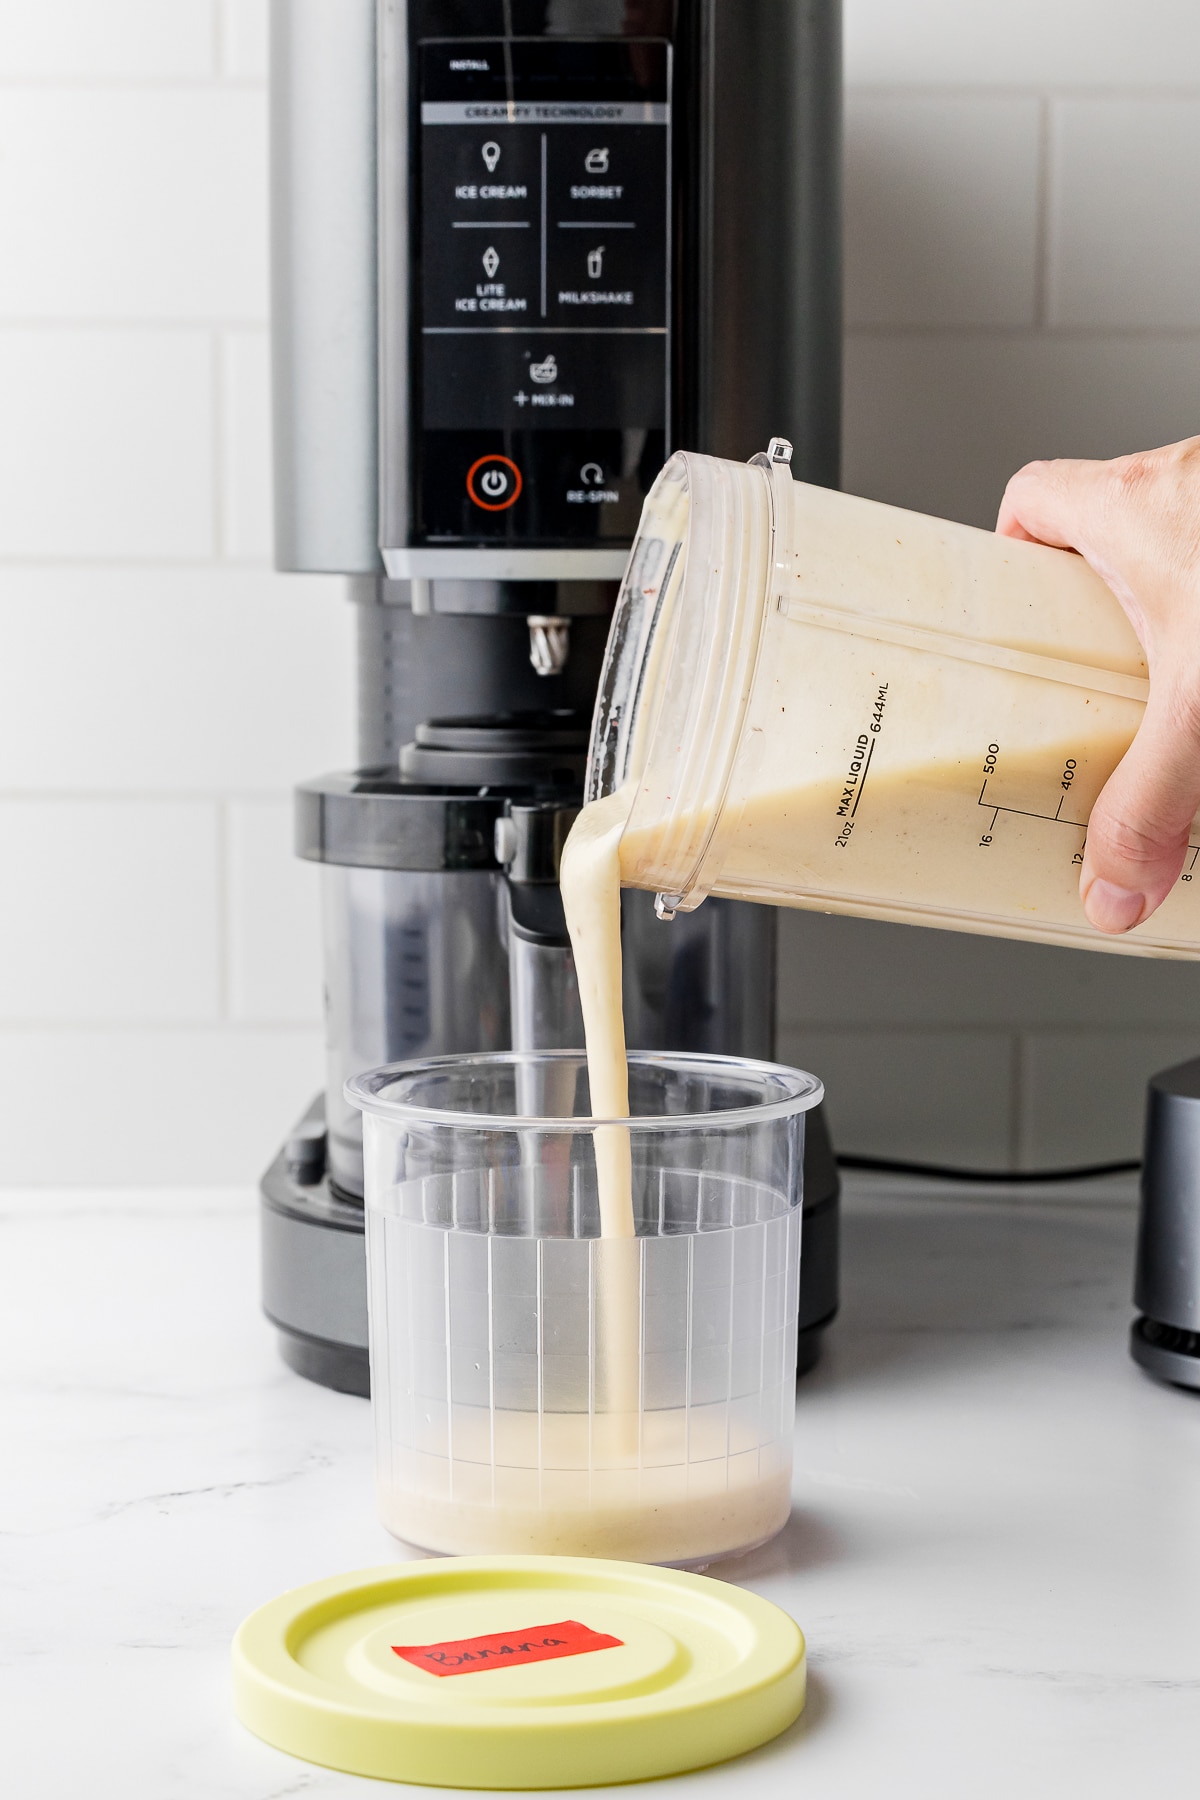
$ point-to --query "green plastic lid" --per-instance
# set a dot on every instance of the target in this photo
(518, 1672)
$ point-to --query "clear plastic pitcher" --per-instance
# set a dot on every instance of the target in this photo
(539, 1388)
(819, 701)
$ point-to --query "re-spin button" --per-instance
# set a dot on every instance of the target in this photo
(494, 482)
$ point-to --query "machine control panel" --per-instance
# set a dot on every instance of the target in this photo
(541, 288)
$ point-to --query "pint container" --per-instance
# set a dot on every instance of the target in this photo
(539, 1388)
(815, 700)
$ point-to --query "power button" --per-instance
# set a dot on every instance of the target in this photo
(494, 482)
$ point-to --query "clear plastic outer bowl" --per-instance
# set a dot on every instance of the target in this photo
(539, 1388)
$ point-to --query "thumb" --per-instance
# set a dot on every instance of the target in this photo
(1137, 836)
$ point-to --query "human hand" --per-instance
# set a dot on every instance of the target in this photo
(1136, 520)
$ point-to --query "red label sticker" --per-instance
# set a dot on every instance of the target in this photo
(536, 1643)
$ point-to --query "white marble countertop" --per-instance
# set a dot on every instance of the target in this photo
(995, 1548)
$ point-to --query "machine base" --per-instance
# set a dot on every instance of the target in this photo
(1167, 1352)
(343, 1367)
(314, 1270)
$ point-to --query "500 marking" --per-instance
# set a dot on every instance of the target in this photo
(989, 768)
(1070, 769)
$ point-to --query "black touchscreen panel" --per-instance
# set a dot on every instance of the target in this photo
(541, 288)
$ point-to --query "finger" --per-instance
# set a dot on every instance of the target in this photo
(1085, 507)
(1052, 502)
(1138, 832)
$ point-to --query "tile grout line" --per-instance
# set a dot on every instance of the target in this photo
(891, 1028)
(224, 862)
(180, 565)
(1028, 333)
(214, 82)
(182, 796)
(23, 1027)
(217, 44)
(1121, 1027)
(217, 448)
(984, 90)
(199, 325)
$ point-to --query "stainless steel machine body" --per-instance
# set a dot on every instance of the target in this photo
(415, 965)
(521, 250)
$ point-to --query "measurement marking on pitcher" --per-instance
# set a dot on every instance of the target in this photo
(862, 780)
(860, 768)
(1054, 818)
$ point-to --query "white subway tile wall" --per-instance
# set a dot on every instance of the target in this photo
(274, 971)
(98, 41)
(245, 446)
(973, 45)
(914, 1094)
(113, 1107)
(1081, 1092)
(1022, 262)
(161, 688)
(940, 419)
(942, 198)
(133, 203)
(184, 679)
(1124, 180)
(1023, 280)
(109, 911)
(242, 25)
(106, 443)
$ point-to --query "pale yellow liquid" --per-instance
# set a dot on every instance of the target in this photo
(590, 880)
(961, 801)
(680, 1527)
(933, 715)
(544, 1499)
(925, 849)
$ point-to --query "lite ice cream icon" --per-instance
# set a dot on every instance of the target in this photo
(491, 261)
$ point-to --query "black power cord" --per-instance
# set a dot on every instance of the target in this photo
(886, 1165)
